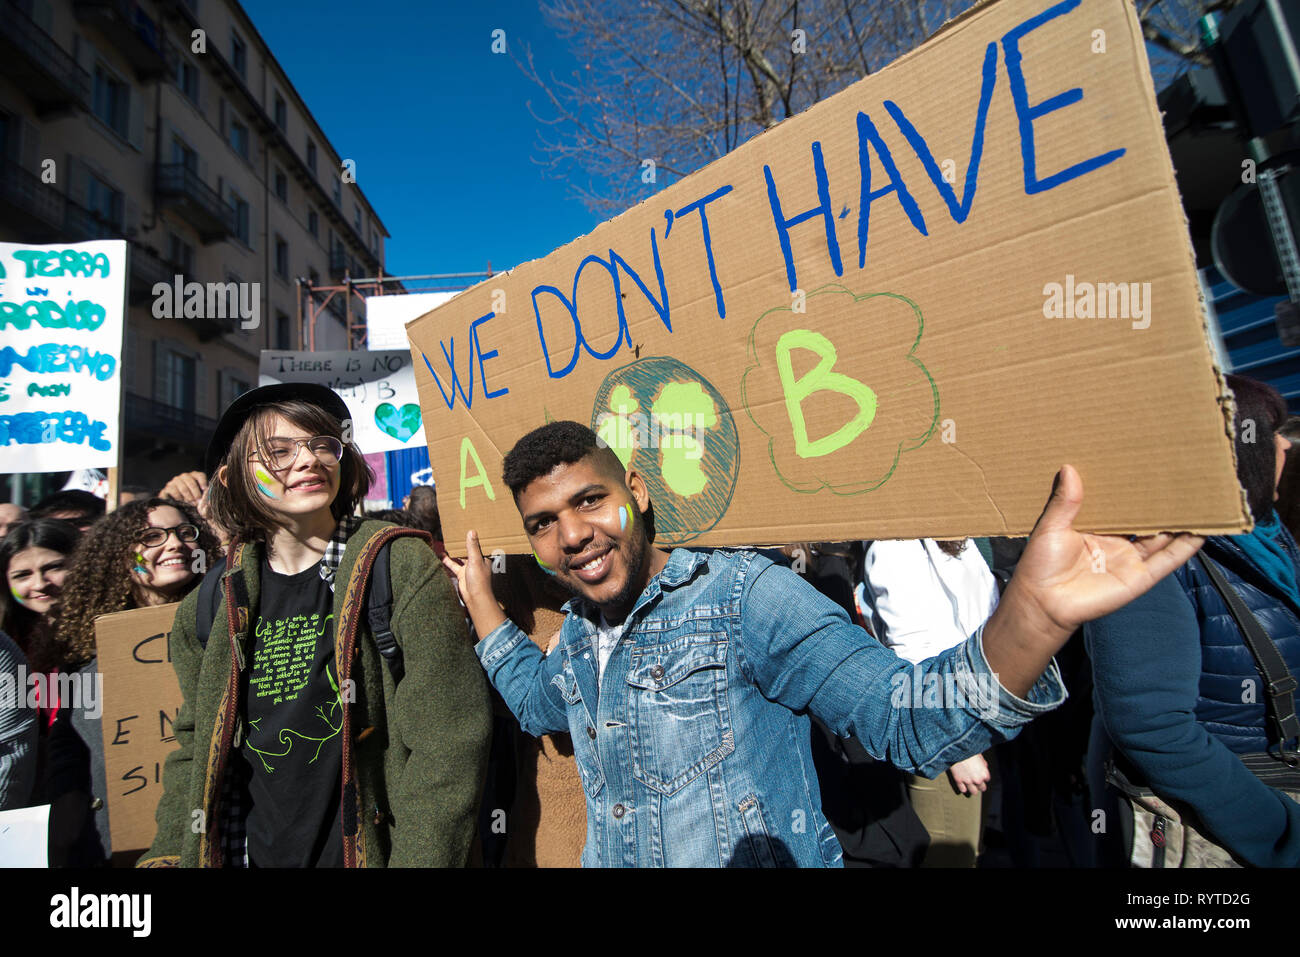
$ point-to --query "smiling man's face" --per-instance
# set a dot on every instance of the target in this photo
(586, 527)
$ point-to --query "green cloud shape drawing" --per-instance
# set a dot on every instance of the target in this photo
(901, 419)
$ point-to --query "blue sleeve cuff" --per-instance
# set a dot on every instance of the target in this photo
(996, 704)
(498, 643)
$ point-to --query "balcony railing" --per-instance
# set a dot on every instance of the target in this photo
(183, 189)
(133, 32)
(35, 62)
(36, 207)
(161, 421)
(80, 224)
(147, 270)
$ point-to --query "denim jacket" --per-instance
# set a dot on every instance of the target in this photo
(695, 750)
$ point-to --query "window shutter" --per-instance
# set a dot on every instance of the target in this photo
(86, 55)
(76, 174)
(135, 118)
(160, 370)
(129, 348)
(200, 385)
(43, 14)
(29, 147)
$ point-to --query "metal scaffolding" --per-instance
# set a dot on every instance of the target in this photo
(313, 299)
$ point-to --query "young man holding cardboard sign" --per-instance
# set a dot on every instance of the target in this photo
(686, 679)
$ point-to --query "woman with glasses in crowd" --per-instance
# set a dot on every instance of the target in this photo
(146, 553)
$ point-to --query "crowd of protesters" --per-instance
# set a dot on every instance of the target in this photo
(352, 696)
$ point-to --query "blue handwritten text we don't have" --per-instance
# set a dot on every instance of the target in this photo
(871, 142)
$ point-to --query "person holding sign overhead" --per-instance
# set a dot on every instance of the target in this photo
(144, 553)
(318, 727)
(686, 679)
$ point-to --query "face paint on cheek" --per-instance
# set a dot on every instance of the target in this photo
(545, 567)
(14, 595)
(625, 517)
(264, 481)
(139, 565)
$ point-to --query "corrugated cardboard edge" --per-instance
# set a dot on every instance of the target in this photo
(1227, 404)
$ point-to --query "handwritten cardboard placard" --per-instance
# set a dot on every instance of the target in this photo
(378, 387)
(894, 315)
(141, 700)
(61, 321)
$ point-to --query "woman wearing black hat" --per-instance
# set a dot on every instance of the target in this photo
(300, 744)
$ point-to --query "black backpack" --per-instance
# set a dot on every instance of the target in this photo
(379, 600)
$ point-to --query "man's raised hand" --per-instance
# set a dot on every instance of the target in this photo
(474, 582)
(1066, 578)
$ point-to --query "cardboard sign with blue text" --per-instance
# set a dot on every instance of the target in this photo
(894, 315)
(378, 387)
(61, 323)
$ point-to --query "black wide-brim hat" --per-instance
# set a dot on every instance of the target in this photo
(233, 419)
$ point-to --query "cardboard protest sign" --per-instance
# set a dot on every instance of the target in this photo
(387, 316)
(61, 314)
(378, 387)
(894, 315)
(141, 699)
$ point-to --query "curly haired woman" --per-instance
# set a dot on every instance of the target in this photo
(145, 553)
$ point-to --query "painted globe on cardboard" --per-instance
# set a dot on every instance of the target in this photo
(664, 419)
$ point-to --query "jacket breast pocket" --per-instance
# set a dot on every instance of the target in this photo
(680, 724)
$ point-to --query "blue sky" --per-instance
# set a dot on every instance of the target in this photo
(436, 122)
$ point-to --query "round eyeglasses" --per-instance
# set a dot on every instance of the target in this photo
(280, 452)
(155, 536)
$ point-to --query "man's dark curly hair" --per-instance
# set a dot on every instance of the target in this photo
(556, 443)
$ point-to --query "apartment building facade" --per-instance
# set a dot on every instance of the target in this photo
(170, 123)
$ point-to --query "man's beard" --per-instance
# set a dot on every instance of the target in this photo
(633, 550)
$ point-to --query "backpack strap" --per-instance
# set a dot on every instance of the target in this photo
(345, 646)
(371, 576)
(211, 599)
(1278, 680)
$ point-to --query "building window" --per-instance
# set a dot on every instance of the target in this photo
(313, 276)
(240, 206)
(183, 155)
(187, 78)
(282, 186)
(356, 219)
(283, 332)
(238, 54)
(313, 223)
(374, 241)
(239, 138)
(311, 157)
(233, 388)
(111, 100)
(281, 112)
(180, 253)
(177, 380)
(281, 258)
(338, 193)
(104, 201)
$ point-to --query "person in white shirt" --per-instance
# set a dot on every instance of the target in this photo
(924, 596)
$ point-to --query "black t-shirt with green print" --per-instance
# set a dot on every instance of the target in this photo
(295, 724)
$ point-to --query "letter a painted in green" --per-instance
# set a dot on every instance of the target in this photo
(467, 449)
(819, 379)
